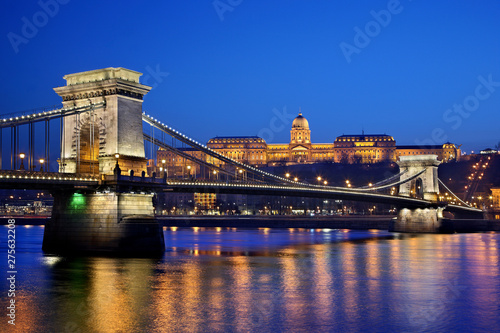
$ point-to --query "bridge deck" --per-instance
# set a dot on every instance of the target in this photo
(47, 180)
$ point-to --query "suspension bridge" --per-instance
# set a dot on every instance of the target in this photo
(103, 184)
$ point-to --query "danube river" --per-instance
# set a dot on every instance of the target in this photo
(237, 280)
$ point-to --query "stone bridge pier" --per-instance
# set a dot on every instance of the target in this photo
(425, 186)
(95, 142)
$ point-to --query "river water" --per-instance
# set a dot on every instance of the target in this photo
(265, 280)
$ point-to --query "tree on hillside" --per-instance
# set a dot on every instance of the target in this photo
(344, 158)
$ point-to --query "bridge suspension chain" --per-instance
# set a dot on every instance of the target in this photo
(47, 115)
(389, 185)
(184, 155)
(201, 147)
(453, 194)
(384, 181)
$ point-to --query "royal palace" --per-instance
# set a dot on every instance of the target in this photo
(361, 148)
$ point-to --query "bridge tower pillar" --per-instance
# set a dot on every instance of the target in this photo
(113, 219)
(90, 140)
(426, 187)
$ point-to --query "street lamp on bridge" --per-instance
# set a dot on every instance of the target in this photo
(22, 156)
(117, 170)
(165, 173)
(41, 164)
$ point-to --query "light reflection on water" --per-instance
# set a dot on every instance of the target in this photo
(219, 279)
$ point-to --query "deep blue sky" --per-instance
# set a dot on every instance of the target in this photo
(225, 77)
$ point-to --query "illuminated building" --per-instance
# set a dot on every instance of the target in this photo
(176, 166)
(300, 149)
(363, 148)
(253, 150)
(205, 201)
(245, 149)
(445, 152)
(494, 209)
(488, 151)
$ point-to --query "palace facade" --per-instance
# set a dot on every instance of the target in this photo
(253, 150)
(362, 148)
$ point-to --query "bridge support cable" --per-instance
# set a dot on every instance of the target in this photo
(31, 148)
(52, 114)
(61, 135)
(187, 156)
(47, 145)
(389, 185)
(453, 194)
(14, 121)
(384, 181)
(13, 147)
(204, 149)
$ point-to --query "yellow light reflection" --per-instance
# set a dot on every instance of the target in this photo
(242, 296)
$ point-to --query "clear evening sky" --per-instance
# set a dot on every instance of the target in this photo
(422, 71)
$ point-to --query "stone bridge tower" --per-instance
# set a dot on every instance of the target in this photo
(426, 186)
(92, 139)
(117, 219)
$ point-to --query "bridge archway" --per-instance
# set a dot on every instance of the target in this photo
(87, 144)
(418, 188)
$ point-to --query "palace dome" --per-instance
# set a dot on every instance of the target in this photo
(300, 122)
